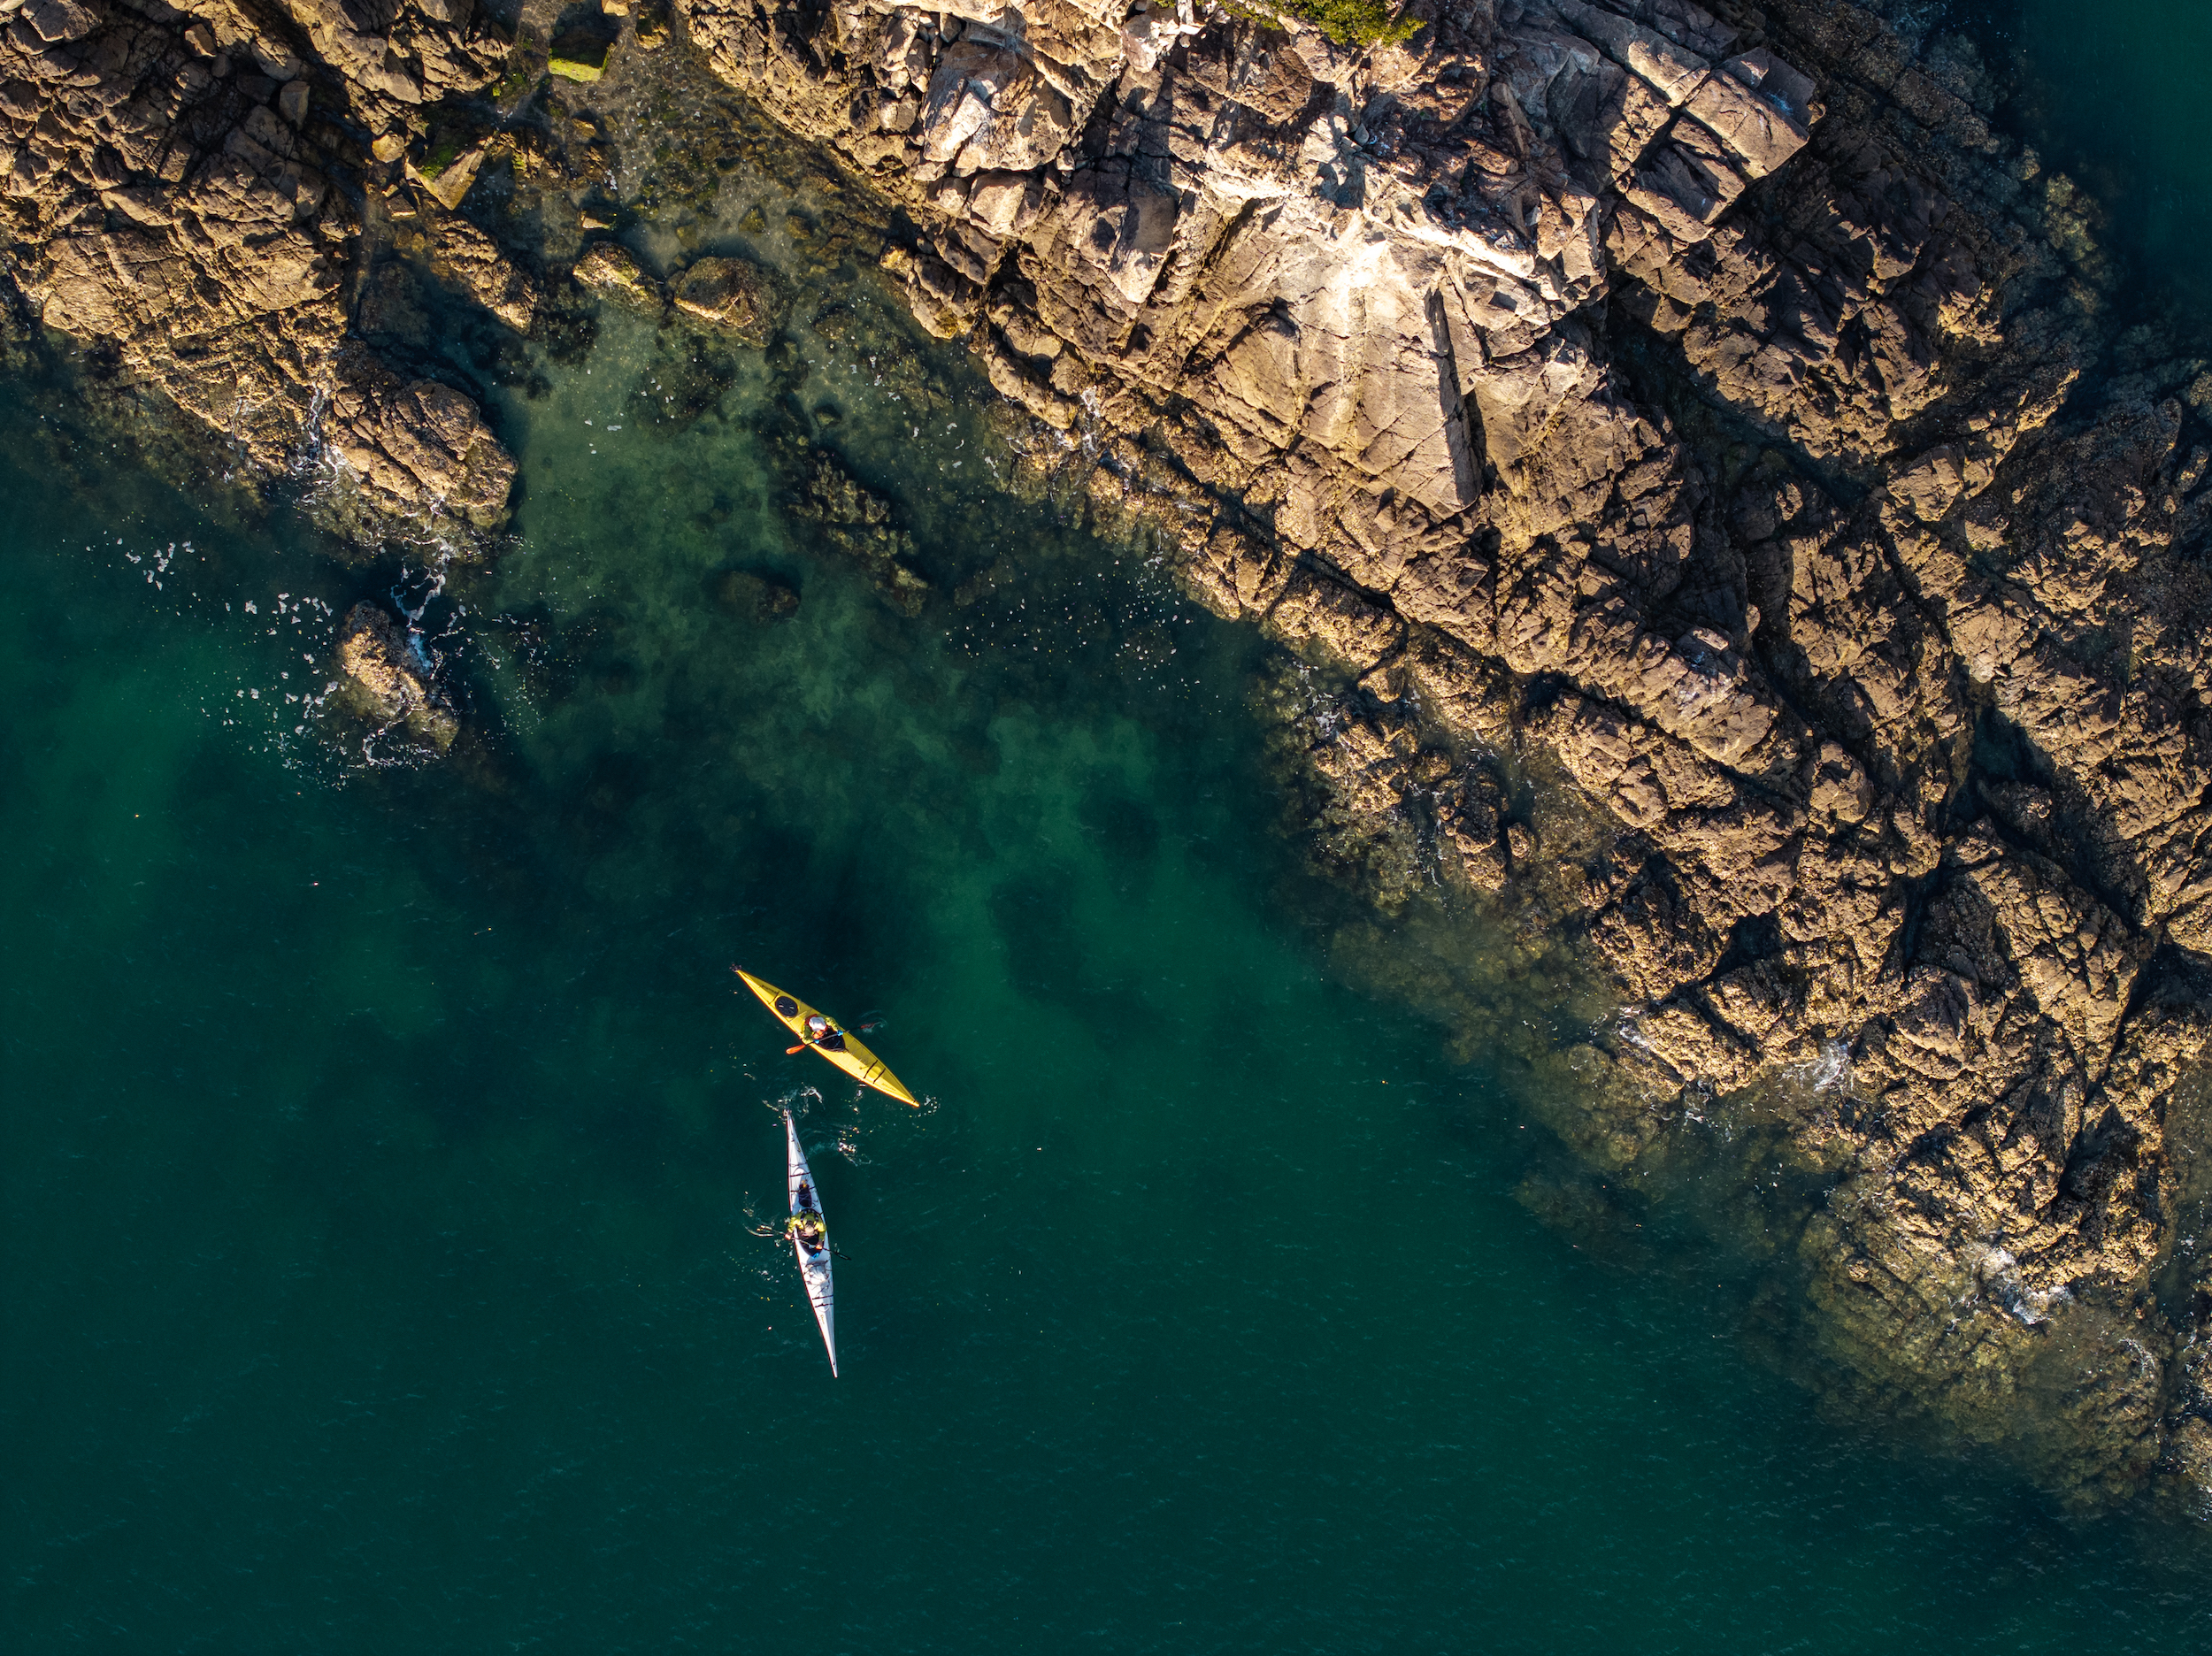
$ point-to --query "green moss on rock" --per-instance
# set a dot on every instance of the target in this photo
(579, 58)
(1347, 22)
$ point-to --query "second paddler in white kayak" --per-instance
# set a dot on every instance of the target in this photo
(809, 1232)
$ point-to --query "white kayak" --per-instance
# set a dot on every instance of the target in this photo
(814, 1251)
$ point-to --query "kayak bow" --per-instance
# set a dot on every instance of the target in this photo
(855, 1059)
(814, 1259)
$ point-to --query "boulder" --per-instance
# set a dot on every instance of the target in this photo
(387, 679)
(417, 448)
(472, 260)
(729, 295)
(579, 58)
(610, 270)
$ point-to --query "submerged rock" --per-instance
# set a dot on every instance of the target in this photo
(849, 520)
(391, 309)
(754, 597)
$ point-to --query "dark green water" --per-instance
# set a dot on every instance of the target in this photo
(381, 1140)
(2115, 98)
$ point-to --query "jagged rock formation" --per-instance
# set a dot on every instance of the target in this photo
(166, 181)
(1881, 684)
(385, 679)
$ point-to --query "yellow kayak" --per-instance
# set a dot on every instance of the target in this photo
(848, 1055)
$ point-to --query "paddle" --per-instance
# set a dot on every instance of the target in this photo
(803, 1045)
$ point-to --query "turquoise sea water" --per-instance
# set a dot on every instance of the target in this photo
(380, 1140)
(2113, 97)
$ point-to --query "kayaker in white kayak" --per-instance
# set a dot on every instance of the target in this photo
(806, 1225)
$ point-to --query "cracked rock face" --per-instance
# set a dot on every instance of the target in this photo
(1876, 697)
(168, 193)
(386, 682)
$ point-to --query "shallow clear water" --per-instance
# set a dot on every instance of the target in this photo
(381, 1140)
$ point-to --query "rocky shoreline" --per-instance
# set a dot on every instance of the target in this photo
(1732, 558)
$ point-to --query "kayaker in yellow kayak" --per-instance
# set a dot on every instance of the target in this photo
(837, 1043)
